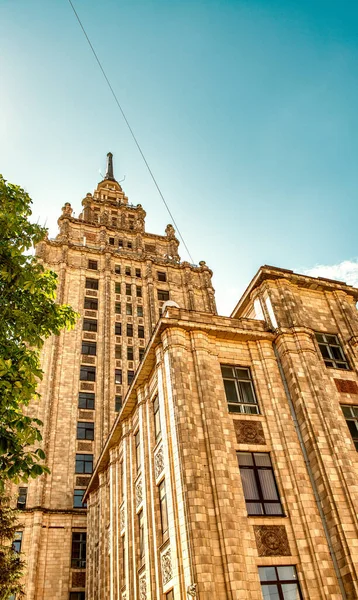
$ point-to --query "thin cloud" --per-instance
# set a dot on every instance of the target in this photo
(345, 271)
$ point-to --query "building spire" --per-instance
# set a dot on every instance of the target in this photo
(109, 173)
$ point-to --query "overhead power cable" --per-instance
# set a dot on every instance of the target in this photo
(129, 127)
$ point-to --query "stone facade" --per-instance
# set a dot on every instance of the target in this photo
(214, 539)
(117, 276)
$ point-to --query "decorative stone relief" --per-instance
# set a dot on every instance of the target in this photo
(82, 481)
(122, 522)
(159, 462)
(271, 540)
(79, 579)
(166, 564)
(249, 432)
(87, 446)
(139, 493)
(142, 587)
(346, 386)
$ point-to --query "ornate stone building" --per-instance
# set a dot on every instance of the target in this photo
(231, 469)
(117, 276)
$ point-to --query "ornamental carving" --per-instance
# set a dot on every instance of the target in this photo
(346, 386)
(79, 579)
(249, 432)
(122, 522)
(159, 462)
(82, 481)
(142, 587)
(271, 540)
(139, 493)
(87, 446)
(167, 569)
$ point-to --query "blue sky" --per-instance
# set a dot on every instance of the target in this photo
(245, 110)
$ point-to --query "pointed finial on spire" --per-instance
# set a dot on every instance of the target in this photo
(109, 173)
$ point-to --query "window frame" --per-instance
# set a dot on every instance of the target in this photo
(87, 373)
(91, 284)
(240, 405)
(78, 562)
(88, 397)
(90, 303)
(261, 499)
(280, 582)
(90, 325)
(141, 545)
(128, 289)
(22, 493)
(81, 462)
(118, 374)
(118, 403)
(130, 353)
(130, 376)
(91, 348)
(163, 510)
(327, 345)
(138, 458)
(163, 295)
(17, 541)
(80, 491)
(156, 418)
(117, 287)
(92, 264)
(162, 276)
(118, 329)
(351, 418)
(88, 428)
(141, 332)
(130, 330)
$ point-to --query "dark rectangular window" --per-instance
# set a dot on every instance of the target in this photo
(129, 330)
(93, 264)
(141, 535)
(120, 243)
(157, 425)
(141, 353)
(87, 373)
(111, 241)
(139, 311)
(118, 328)
(137, 450)
(161, 276)
(118, 403)
(259, 484)
(123, 556)
(89, 348)
(77, 499)
(114, 222)
(86, 400)
(122, 480)
(332, 351)
(130, 377)
(118, 376)
(117, 308)
(139, 291)
(77, 595)
(129, 245)
(239, 389)
(130, 353)
(21, 498)
(131, 223)
(280, 583)
(128, 271)
(138, 273)
(118, 352)
(117, 269)
(129, 309)
(140, 331)
(89, 325)
(91, 303)
(84, 463)
(78, 556)
(128, 289)
(117, 287)
(85, 431)
(351, 416)
(163, 511)
(163, 295)
(16, 544)
(91, 284)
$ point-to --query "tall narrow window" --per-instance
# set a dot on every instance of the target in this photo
(118, 352)
(91, 284)
(118, 376)
(89, 325)
(117, 308)
(89, 348)
(128, 271)
(139, 311)
(117, 287)
(77, 499)
(141, 535)
(122, 480)
(90, 303)
(157, 425)
(120, 243)
(118, 403)
(137, 450)
(129, 330)
(129, 309)
(139, 291)
(138, 273)
(130, 377)
(128, 289)
(87, 373)
(78, 556)
(141, 353)
(123, 557)
(117, 269)
(22, 497)
(163, 511)
(111, 241)
(118, 328)
(351, 416)
(86, 400)
(239, 389)
(84, 463)
(16, 544)
(85, 430)
(259, 485)
(129, 245)
(130, 354)
(140, 331)
(280, 583)
(332, 351)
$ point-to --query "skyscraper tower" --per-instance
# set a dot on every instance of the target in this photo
(117, 276)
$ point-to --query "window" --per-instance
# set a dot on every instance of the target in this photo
(141, 535)
(118, 376)
(86, 400)
(122, 479)
(89, 325)
(93, 264)
(128, 289)
(78, 556)
(118, 352)
(91, 284)
(351, 416)
(117, 308)
(280, 583)
(240, 393)
(91, 303)
(140, 331)
(118, 328)
(130, 353)
(85, 431)
(114, 222)
(117, 269)
(259, 485)
(118, 403)
(111, 241)
(129, 330)
(163, 295)
(157, 425)
(128, 271)
(139, 311)
(87, 373)
(77, 499)
(21, 498)
(129, 245)
(161, 276)
(137, 450)
(77, 595)
(163, 511)
(16, 544)
(129, 309)
(117, 288)
(131, 223)
(139, 291)
(331, 351)
(120, 243)
(169, 595)
(130, 377)
(84, 463)
(124, 556)
(89, 348)
(141, 353)
(138, 273)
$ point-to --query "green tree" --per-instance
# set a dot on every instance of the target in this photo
(11, 563)
(29, 314)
